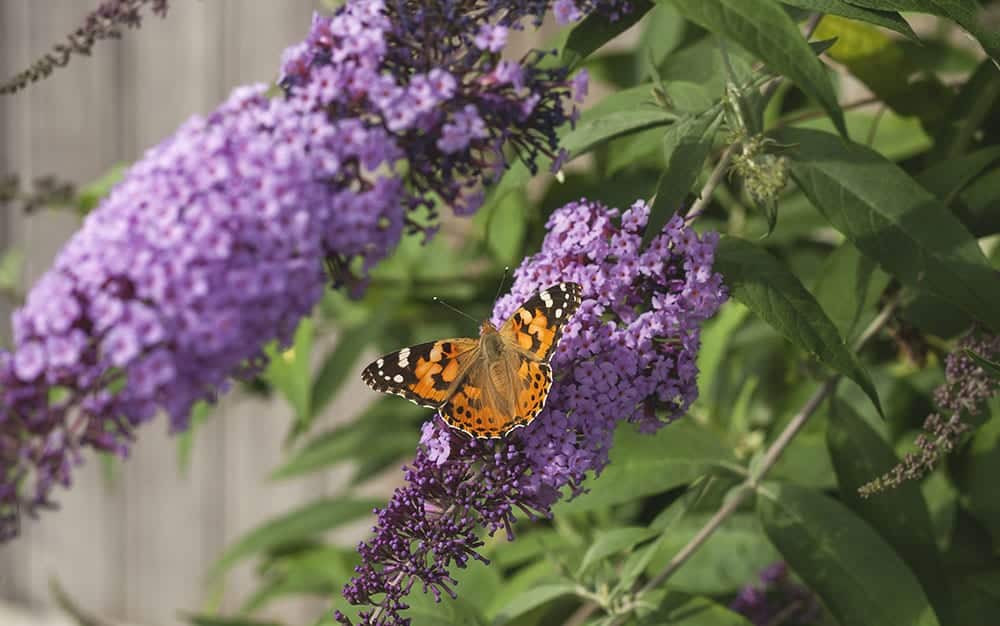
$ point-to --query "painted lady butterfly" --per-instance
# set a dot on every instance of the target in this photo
(489, 386)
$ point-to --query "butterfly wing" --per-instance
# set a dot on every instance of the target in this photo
(485, 407)
(537, 324)
(425, 373)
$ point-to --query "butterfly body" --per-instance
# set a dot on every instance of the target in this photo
(488, 386)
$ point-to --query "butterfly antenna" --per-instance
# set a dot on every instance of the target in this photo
(503, 279)
(457, 310)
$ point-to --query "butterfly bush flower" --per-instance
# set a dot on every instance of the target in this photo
(776, 599)
(628, 354)
(215, 241)
(966, 390)
(104, 22)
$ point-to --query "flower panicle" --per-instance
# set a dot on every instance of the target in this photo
(612, 364)
(104, 22)
(964, 394)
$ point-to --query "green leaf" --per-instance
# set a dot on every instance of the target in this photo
(900, 514)
(638, 150)
(609, 542)
(966, 13)
(947, 178)
(848, 289)
(11, 263)
(592, 132)
(505, 229)
(663, 33)
(532, 599)
(426, 611)
(881, 63)
(886, 19)
(529, 546)
(185, 439)
(288, 372)
(596, 30)
(734, 555)
(320, 570)
(770, 290)
(680, 609)
(893, 220)
(478, 583)
(765, 30)
(542, 571)
(664, 524)
(686, 145)
(990, 367)
(353, 440)
(979, 476)
(340, 363)
(967, 113)
(642, 465)
(304, 523)
(715, 336)
(893, 136)
(622, 113)
(91, 195)
(857, 575)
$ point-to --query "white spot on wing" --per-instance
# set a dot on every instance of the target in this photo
(398, 378)
(546, 298)
(558, 313)
(404, 357)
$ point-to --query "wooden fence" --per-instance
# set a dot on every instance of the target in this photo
(135, 550)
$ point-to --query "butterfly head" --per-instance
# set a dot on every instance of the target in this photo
(491, 342)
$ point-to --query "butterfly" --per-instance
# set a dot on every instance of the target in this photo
(489, 386)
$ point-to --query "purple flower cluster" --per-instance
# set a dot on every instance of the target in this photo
(965, 392)
(775, 599)
(210, 247)
(567, 11)
(215, 242)
(431, 75)
(628, 354)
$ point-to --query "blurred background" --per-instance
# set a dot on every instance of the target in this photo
(134, 546)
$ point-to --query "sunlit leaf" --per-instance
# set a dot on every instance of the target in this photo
(894, 221)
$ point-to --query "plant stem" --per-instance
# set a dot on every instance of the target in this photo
(705, 196)
(732, 504)
(720, 168)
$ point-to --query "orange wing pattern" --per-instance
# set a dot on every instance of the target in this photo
(424, 373)
(484, 394)
(469, 409)
(537, 324)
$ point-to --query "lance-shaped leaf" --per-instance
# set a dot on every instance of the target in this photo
(596, 30)
(886, 19)
(900, 514)
(769, 289)
(301, 524)
(859, 577)
(686, 145)
(766, 31)
(893, 220)
(966, 13)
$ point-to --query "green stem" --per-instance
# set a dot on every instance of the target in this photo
(739, 496)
